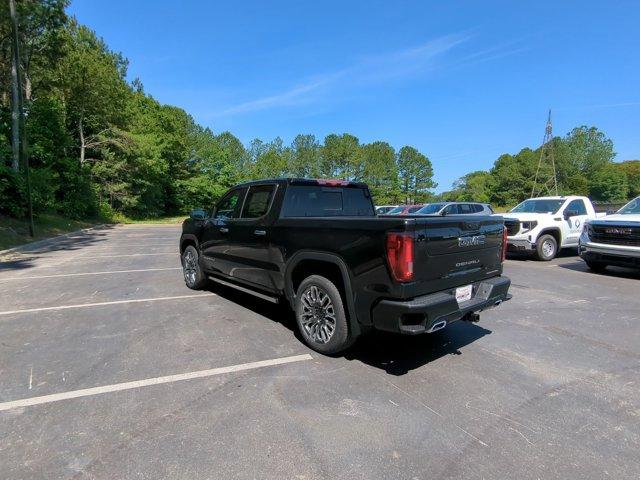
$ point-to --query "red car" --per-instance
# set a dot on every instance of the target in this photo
(404, 210)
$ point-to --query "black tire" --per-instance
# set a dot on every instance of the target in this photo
(325, 330)
(597, 267)
(194, 277)
(546, 248)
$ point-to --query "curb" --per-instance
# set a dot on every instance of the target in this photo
(51, 240)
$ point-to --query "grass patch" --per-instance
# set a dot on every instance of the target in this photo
(173, 220)
(14, 232)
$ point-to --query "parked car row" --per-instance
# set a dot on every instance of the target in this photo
(440, 208)
(320, 246)
(543, 226)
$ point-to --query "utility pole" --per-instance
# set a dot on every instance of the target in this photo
(19, 135)
(546, 171)
(15, 102)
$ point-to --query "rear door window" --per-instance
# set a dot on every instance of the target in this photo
(465, 208)
(258, 201)
(321, 201)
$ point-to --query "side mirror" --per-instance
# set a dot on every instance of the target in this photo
(610, 212)
(198, 214)
(570, 213)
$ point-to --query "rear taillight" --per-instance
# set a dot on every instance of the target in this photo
(333, 182)
(503, 252)
(400, 256)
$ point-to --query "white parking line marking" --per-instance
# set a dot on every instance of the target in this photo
(114, 244)
(99, 304)
(175, 252)
(34, 277)
(118, 387)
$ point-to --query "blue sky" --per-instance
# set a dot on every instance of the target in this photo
(462, 81)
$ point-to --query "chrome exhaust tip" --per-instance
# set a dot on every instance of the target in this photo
(437, 326)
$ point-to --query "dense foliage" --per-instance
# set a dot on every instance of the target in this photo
(584, 166)
(99, 145)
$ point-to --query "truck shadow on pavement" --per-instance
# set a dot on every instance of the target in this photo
(615, 272)
(523, 257)
(399, 354)
(26, 256)
(394, 353)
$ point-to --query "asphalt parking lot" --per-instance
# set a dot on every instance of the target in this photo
(111, 368)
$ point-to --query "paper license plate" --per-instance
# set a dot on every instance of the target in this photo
(464, 293)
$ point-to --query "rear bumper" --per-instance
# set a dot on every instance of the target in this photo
(427, 313)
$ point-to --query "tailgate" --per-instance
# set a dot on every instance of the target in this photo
(456, 250)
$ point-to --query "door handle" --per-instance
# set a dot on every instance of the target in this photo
(224, 230)
(260, 233)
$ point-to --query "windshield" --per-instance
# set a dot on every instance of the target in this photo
(633, 207)
(538, 206)
(395, 211)
(431, 208)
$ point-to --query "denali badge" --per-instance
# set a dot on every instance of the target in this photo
(471, 241)
(618, 231)
(469, 262)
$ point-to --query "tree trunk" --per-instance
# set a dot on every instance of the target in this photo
(82, 142)
(28, 90)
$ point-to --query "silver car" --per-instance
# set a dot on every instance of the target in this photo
(455, 208)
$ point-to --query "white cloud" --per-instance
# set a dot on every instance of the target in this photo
(369, 70)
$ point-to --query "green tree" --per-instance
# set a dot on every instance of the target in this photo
(380, 172)
(342, 156)
(93, 87)
(472, 187)
(306, 158)
(415, 174)
(631, 169)
(512, 177)
(609, 184)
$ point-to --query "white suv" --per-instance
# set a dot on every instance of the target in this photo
(542, 226)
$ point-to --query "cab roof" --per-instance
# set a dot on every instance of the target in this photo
(326, 182)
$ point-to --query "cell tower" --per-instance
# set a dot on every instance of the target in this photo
(545, 181)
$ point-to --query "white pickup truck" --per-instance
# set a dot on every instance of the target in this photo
(542, 226)
(614, 239)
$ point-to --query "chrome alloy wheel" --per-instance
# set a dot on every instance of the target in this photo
(189, 267)
(318, 315)
(548, 248)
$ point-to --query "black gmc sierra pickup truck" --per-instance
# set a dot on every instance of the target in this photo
(343, 269)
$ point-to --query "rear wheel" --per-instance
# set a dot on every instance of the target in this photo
(546, 248)
(596, 266)
(194, 277)
(321, 316)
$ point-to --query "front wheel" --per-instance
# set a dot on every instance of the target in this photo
(546, 248)
(321, 316)
(194, 277)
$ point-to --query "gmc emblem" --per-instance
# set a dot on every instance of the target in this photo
(618, 231)
(471, 241)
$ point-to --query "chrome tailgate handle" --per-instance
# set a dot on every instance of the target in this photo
(260, 233)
